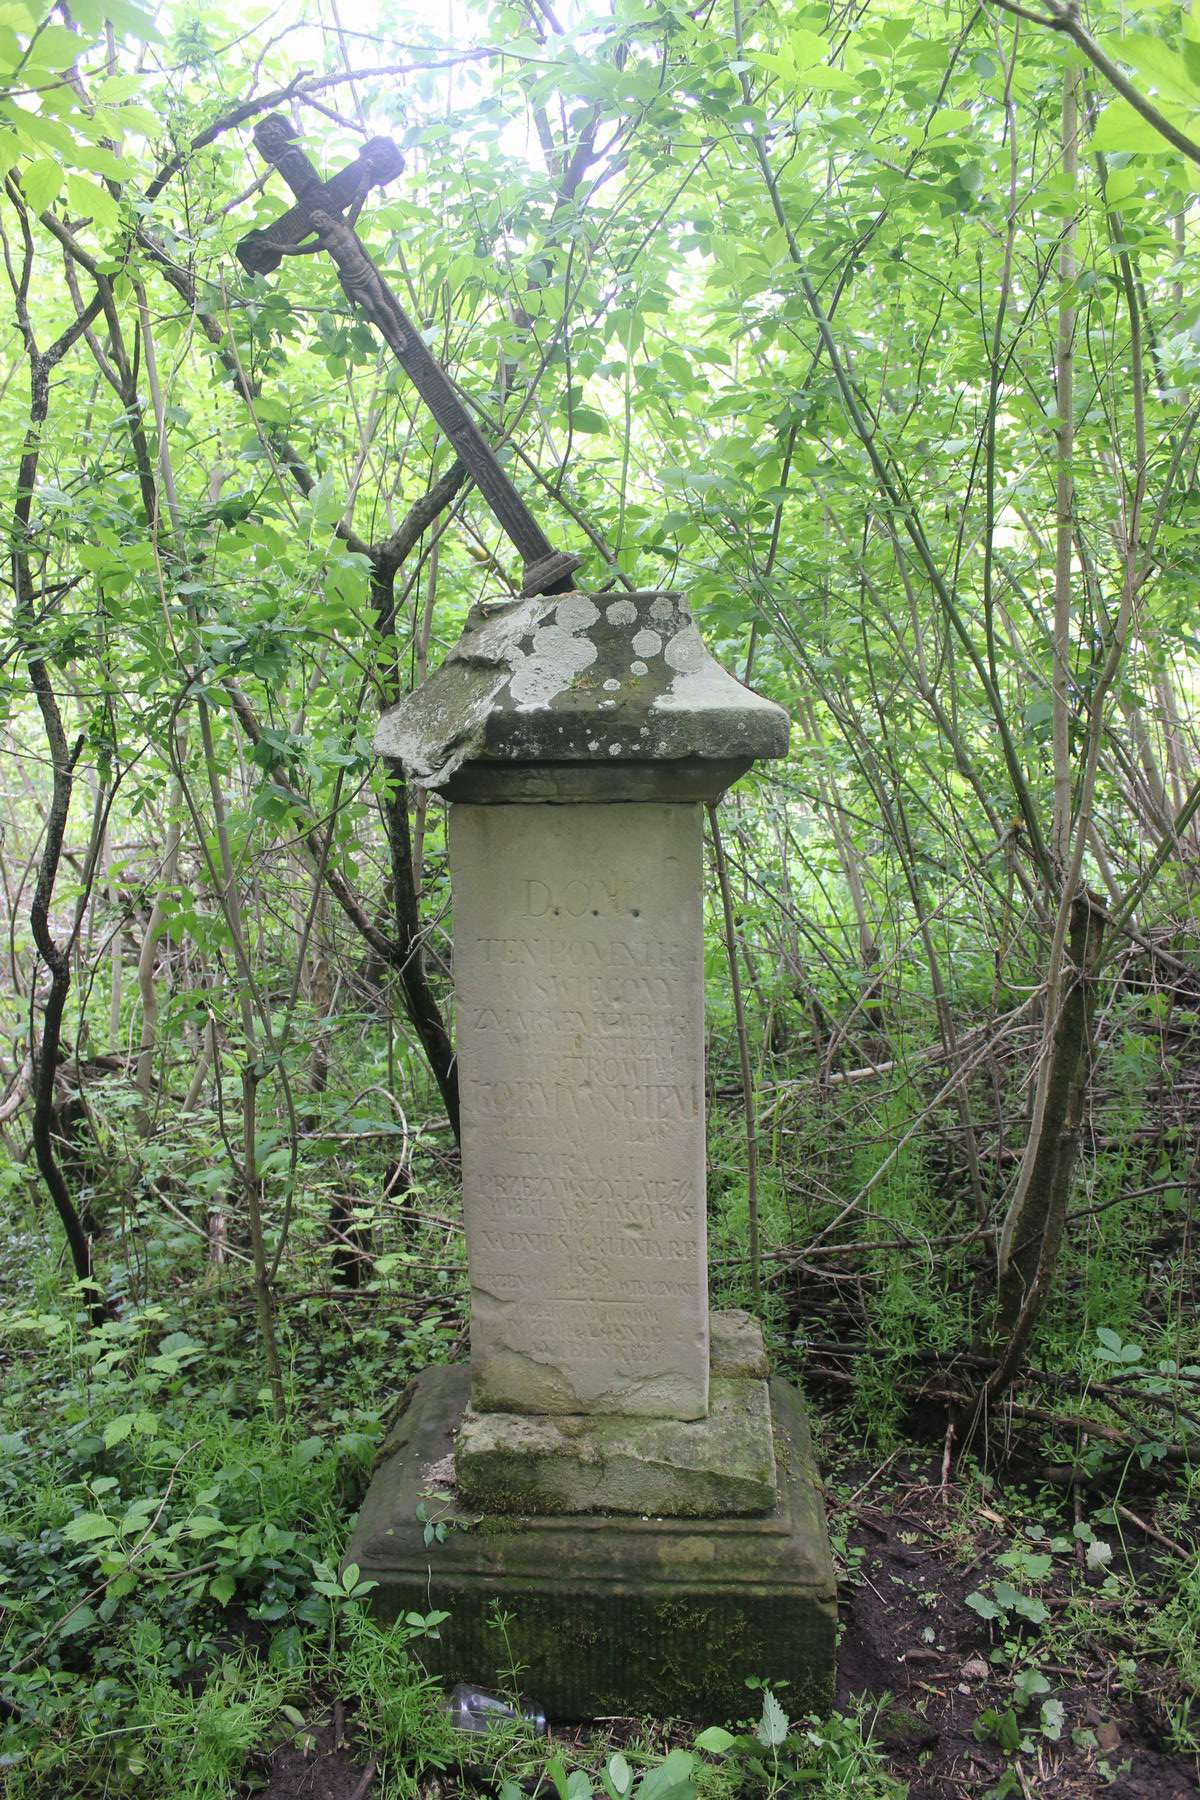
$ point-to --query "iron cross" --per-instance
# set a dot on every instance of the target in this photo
(318, 213)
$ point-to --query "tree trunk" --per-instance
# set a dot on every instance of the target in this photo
(420, 1004)
(1033, 1232)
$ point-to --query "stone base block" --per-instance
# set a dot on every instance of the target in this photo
(605, 1615)
(709, 1468)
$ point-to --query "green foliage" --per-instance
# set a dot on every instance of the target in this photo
(168, 1556)
(774, 1757)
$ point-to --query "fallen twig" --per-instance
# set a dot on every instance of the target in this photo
(368, 1777)
(1151, 1531)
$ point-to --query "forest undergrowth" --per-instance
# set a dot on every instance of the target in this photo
(1022, 1616)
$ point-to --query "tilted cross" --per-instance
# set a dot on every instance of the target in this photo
(318, 213)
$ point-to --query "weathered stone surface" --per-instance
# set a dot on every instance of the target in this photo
(506, 784)
(715, 1467)
(578, 968)
(701, 1468)
(736, 1344)
(606, 1615)
(581, 678)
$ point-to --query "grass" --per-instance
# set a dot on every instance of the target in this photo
(168, 1607)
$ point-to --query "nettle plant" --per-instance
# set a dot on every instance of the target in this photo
(777, 1756)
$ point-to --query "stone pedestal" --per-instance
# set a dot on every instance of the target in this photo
(634, 1495)
(645, 1616)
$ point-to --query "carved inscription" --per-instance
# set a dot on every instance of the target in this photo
(579, 981)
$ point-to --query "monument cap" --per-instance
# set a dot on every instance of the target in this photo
(581, 697)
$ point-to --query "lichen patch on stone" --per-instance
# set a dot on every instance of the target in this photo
(557, 655)
(553, 678)
(700, 688)
(686, 652)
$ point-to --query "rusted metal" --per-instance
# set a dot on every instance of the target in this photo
(318, 213)
(377, 163)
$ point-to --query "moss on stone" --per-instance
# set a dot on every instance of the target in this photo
(611, 1615)
(717, 1467)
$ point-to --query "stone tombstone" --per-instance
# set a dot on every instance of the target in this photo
(622, 1462)
(579, 985)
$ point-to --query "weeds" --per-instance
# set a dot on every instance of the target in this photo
(170, 1599)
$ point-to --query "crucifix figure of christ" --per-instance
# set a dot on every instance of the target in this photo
(323, 220)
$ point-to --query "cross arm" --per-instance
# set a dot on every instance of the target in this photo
(318, 210)
(378, 163)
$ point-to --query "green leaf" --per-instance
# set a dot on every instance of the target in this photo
(222, 1587)
(672, 1780)
(127, 18)
(1008, 1732)
(620, 1773)
(828, 81)
(140, 119)
(773, 1726)
(117, 1430)
(716, 1740)
(809, 50)
(556, 1772)
(287, 1648)
(1028, 1685)
(87, 1527)
(40, 183)
(679, 367)
(115, 88)
(979, 1603)
(1159, 67)
(1053, 1719)
(204, 1525)
(90, 200)
(1122, 127)
(38, 132)
(76, 1621)
(55, 49)
(326, 507)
